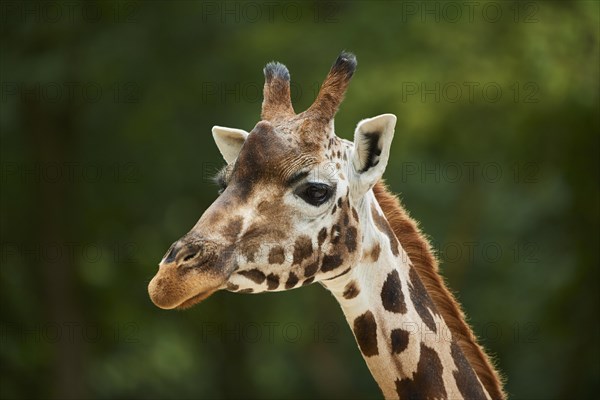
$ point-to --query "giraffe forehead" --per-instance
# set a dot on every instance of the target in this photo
(275, 154)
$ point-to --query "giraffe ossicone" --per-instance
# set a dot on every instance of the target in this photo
(300, 205)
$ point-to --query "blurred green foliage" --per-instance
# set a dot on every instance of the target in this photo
(106, 159)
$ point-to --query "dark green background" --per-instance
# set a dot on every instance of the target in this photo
(106, 158)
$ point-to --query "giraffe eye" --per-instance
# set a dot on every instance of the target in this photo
(314, 193)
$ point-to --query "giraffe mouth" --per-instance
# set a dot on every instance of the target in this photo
(195, 299)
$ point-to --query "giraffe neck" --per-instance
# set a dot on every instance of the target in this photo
(405, 342)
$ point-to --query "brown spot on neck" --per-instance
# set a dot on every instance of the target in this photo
(421, 300)
(392, 297)
(427, 382)
(466, 380)
(384, 227)
(365, 331)
(375, 251)
(372, 255)
(399, 339)
(351, 290)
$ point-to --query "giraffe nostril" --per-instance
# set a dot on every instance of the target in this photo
(187, 253)
(181, 252)
(190, 256)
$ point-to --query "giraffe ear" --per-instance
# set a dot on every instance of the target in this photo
(372, 141)
(229, 141)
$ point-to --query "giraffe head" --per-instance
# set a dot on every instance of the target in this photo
(288, 213)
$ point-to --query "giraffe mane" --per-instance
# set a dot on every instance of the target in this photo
(421, 255)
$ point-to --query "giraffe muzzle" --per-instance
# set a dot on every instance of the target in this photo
(190, 271)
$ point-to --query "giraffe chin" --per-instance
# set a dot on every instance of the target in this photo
(195, 300)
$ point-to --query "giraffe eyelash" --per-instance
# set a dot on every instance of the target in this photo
(221, 178)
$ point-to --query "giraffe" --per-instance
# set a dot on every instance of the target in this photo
(299, 205)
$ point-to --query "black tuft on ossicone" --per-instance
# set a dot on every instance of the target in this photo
(345, 63)
(276, 69)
